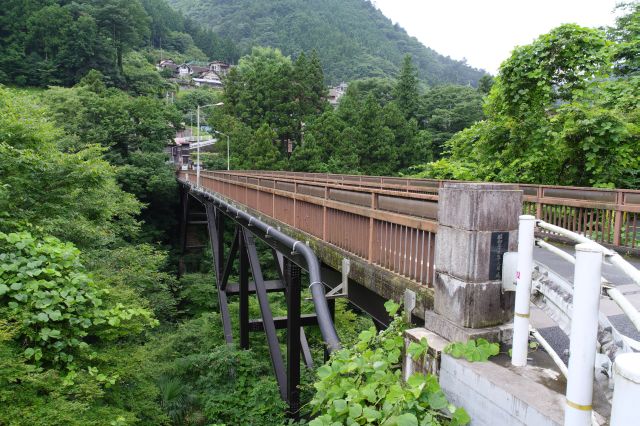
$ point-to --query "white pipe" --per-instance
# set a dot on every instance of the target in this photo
(583, 337)
(613, 257)
(552, 353)
(520, 344)
(623, 303)
(626, 306)
(626, 390)
(570, 234)
(555, 250)
(619, 262)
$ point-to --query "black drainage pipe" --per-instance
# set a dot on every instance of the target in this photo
(327, 328)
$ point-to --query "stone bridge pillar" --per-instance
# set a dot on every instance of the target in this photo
(478, 223)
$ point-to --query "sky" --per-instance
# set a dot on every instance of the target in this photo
(486, 31)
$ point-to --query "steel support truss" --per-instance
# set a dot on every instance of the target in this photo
(243, 249)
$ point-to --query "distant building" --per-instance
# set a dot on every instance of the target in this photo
(337, 92)
(198, 74)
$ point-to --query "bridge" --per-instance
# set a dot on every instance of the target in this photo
(437, 246)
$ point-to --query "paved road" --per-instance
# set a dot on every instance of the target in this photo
(547, 327)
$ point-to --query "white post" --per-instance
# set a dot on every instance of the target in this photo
(520, 344)
(584, 331)
(626, 390)
(198, 152)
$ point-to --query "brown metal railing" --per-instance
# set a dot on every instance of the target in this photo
(384, 225)
(392, 222)
(609, 216)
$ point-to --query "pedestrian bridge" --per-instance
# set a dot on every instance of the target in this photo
(437, 246)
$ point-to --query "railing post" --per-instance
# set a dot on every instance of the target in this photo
(539, 194)
(374, 206)
(523, 291)
(583, 337)
(617, 223)
(626, 390)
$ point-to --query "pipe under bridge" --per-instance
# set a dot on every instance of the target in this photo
(437, 246)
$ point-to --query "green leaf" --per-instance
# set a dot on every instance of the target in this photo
(3, 289)
(407, 419)
(340, 405)
(437, 400)
(355, 410)
(324, 371)
(370, 414)
(391, 307)
(460, 417)
(417, 349)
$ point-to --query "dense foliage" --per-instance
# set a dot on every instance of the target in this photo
(353, 38)
(381, 126)
(563, 110)
(363, 385)
(55, 42)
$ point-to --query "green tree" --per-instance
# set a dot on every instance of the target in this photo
(553, 117)
(125, 22)
(308, 157)
(449, 109)
(626, 35)
(262, 153)
(407, 93)
(73, 196)
(485, 84)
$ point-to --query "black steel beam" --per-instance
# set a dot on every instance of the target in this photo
(243, 290)
(279, 240)
(292, 275)
(306, 352)
(271, 286)
(280, 323)
(230, 259)
(267, 315)
(222, 296)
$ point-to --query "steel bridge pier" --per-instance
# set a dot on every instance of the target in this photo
(288, 263)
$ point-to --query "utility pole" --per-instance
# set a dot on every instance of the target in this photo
(198, 142)
(198, 152)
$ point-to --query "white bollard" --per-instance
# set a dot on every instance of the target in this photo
(626, 390)
(520, 345)
(583, 338)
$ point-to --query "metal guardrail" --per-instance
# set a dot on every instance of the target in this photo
(580, 304)
(608, 216)
(390, 228)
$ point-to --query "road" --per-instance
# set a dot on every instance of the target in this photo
(553, 333)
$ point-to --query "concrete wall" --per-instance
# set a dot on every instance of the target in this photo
(494, 395)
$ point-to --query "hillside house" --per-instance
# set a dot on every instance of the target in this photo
(197, 73)
(337, 92)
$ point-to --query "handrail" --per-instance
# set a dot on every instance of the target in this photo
(627, 308)
(585, 318)
(612, 256)
(327, 328)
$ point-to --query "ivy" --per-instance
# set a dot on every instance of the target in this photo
(473, 350)
(53, 305)
(363, 385)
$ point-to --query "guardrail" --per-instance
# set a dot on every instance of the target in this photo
(388, 227)
(582, 307)
(608, 216)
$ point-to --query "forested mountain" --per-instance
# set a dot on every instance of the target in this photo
(56, 42)
(352, 37)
